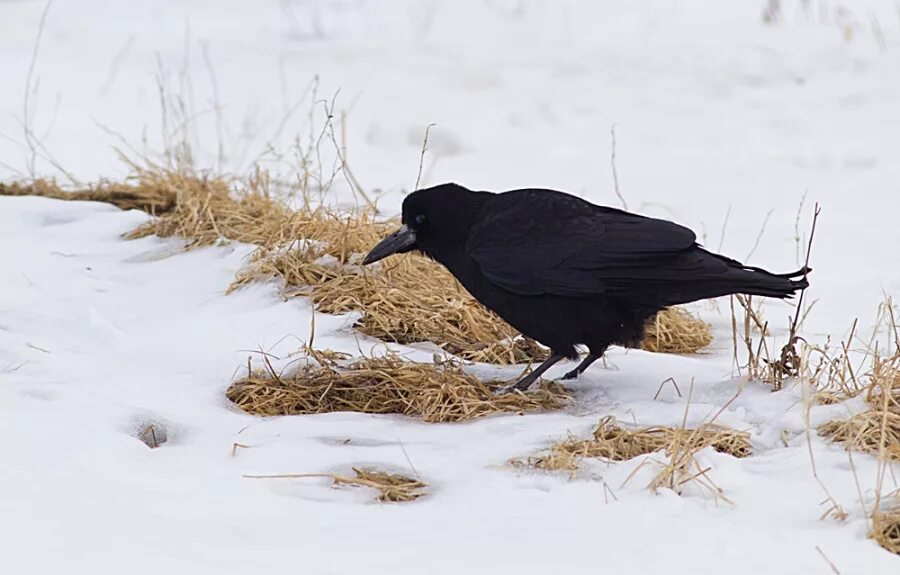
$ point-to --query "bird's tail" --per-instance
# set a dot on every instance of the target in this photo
(736, 279)
(757, 281)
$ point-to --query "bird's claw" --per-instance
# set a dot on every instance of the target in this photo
(521, 386)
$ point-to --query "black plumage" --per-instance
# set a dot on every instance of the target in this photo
(564, 271)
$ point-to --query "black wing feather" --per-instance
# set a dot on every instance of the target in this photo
(536, 242)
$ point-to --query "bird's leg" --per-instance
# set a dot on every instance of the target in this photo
(526, 381)
(588, 360)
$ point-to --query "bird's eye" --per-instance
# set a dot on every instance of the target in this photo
(420, 219)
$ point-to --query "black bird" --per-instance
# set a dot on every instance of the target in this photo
(564, 271)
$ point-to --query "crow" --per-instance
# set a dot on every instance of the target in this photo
(564, 271)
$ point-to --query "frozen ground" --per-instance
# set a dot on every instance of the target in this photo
(715, 113)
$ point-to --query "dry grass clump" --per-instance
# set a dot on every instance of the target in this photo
(134, 194)
(676, 330)
(876, 430)
(436, 393)
(613, 442)
(211, 209)
(391, 487)
(863, 432)
(886, 527)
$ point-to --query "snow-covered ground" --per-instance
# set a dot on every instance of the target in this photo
(719, 118)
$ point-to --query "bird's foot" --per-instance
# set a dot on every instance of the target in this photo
(581, 367)
(521, 385)
(526, 381)
(571, 374)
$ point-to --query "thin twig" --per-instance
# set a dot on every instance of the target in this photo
(797, 227)
(759, 236)
(835, 506)
(612, 160)
(812, 234)
(724, 227)
(422, 155)
(29, 79)
(217, 105)
(827, 560)
(408, 460)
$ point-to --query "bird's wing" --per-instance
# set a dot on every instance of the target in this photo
(535, 242)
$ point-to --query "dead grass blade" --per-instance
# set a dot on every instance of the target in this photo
(391, 487)
(436, 393)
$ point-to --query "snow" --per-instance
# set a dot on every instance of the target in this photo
(716, 113)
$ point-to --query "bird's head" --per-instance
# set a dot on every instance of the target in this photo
(434, 220)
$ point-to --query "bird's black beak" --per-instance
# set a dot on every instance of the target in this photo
(401, 241)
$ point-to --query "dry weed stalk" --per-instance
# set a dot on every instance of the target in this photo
(834, 377)
(436, 393)
(760, 364)
(391, 487)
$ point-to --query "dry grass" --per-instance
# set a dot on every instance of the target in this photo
(676, 330)
(134, 194)
(613, 442)
(391, 487)
(436, 393)
(877, 429)
(886, 527)
(861, 368)
(210, 210)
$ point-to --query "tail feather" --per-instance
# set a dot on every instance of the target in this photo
(699, 274)
(757, 281)
(738, 279)
(801, 273)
